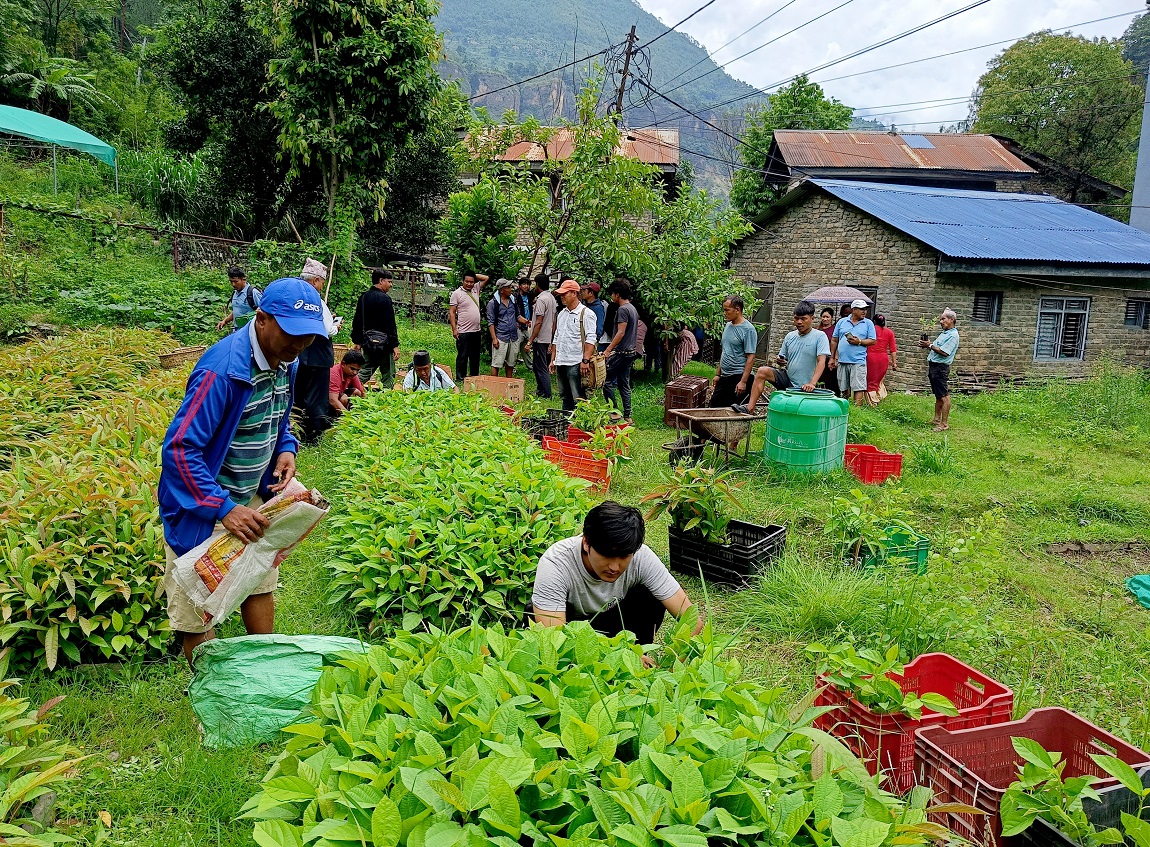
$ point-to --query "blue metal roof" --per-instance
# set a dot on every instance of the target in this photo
(997, 226)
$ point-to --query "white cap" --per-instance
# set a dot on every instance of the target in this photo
(313, 268)
(859, 304)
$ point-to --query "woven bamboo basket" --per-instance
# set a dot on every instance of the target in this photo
(181, 356)
(339, 349)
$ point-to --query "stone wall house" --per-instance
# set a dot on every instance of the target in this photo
(1039, 285)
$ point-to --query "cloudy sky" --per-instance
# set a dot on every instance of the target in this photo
(898, 94)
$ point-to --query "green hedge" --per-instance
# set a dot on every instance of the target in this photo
(445, 509)
(562, 738)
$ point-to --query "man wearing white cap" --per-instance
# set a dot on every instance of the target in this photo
(852, 335)
(315, 363)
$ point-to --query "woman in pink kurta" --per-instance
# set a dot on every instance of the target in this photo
(880, 356)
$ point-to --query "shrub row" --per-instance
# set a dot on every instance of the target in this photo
(446, 507)
(562, 737)
(81, 545)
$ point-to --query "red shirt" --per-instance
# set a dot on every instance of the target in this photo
(339, 385)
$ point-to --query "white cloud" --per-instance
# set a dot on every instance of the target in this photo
(865, 22)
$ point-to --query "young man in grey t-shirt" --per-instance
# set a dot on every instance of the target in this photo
(609, 577)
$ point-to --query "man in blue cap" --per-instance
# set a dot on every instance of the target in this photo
(230, 445)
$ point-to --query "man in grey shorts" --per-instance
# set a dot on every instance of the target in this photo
(852, 335)
(609, 577)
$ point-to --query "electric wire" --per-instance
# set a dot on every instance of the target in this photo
(541, 75)
(679, 24)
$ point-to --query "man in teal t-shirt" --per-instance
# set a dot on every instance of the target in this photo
(938, 363)
(740, 340)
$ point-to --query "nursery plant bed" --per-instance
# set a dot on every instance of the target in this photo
(975, 766)
(886, 742)
(749, 550)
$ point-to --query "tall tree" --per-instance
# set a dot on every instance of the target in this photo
(215, 61)
(800, 105)
(355, 80)
(1136, 43)
(1073, 99)
(597, 213)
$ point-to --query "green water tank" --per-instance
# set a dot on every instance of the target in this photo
(807, 431)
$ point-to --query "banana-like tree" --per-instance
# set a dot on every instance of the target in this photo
(53, 85)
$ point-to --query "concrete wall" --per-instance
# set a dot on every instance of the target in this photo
(823, 241)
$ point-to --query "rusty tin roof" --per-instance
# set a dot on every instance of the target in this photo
(862, 151)
(651, 146)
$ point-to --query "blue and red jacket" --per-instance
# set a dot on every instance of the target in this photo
(219, 388)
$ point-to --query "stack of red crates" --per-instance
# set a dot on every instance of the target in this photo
(886, 742)
(975, 766)
(578, 436)
(871, 465)
(578, 462)
(684, 392)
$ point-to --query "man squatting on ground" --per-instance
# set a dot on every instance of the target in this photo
(801, 359)
(609, 577)
(230, 445)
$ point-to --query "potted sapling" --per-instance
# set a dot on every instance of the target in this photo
(928, 326)
(704, 540)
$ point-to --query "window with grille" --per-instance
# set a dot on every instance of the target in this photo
(988, 307)
(1138, 313)
(1061, 328)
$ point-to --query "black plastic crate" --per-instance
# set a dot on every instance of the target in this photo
(1103, 813)
(749, 551)
(538, 427)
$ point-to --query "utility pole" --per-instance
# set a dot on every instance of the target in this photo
(1140, 202)
(627, 72)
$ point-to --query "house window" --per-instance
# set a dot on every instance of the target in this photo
(1061, 331)
(872, 294)
(988, 307)
(1138, 314)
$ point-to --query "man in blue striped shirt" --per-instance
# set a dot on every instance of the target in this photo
(231, 444)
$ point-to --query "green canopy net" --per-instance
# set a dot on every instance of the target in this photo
(39, 127)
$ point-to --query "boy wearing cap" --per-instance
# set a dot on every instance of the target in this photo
(853, 334)
(424, 376)
(573, 344)
(938, 363)
(503, 314)
(230, 444)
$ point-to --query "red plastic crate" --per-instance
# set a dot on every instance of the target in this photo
(975, 766)
(684, 392)
(886, 742)
(871, 465)
(577, 462)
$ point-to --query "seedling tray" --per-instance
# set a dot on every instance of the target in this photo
(886, 742)
(577, 462)
(975, 766)
(750, 549)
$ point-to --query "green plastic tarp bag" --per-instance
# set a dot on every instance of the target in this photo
(1139, 586)
(247, 689)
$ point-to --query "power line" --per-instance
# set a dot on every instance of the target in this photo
(679, 24)
(862, 51)
(761, 46)
(541, 75)
(978, 47)
(710, 55)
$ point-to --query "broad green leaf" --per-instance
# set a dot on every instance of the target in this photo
(687, 783)
(276, 834)
(680, 835)
(386, 824)
(1136, 829)
(1031, 751)
(1120, 771)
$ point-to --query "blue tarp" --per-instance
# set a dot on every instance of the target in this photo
(39, 127)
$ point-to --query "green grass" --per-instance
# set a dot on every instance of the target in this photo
(1017, 471)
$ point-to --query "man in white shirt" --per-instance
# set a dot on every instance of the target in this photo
(541, 331)
(424, 376)
(573, 344)
(609, 577)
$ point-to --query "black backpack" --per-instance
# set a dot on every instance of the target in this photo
(251, 297)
